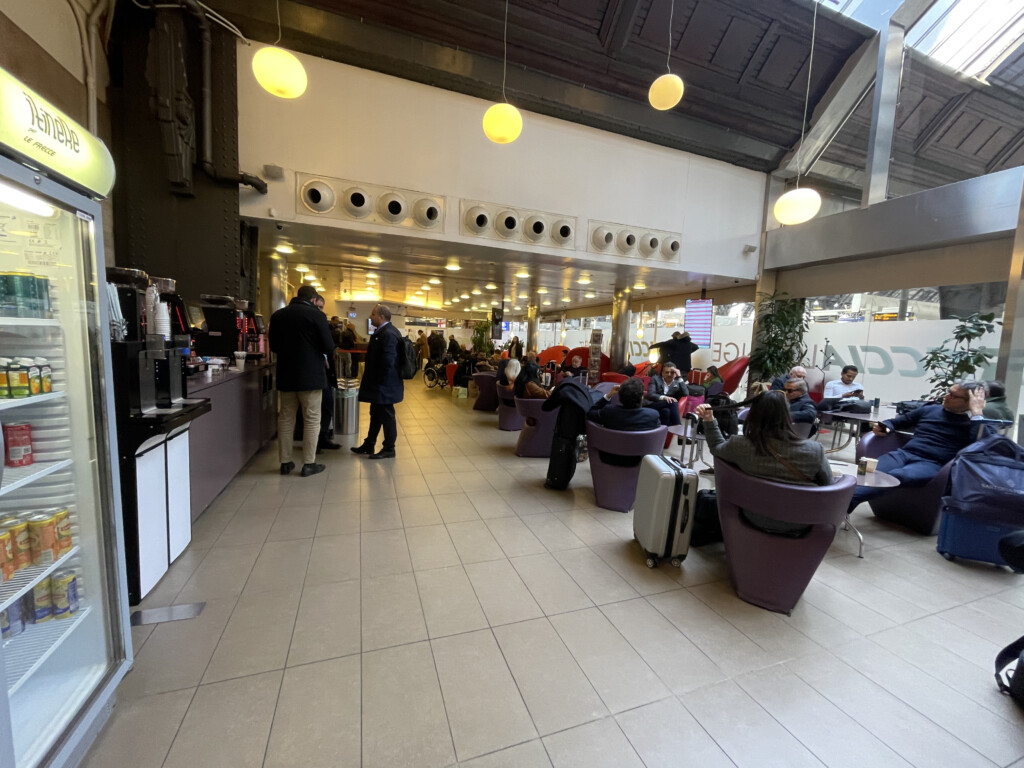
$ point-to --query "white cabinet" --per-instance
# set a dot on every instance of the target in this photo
(151, 501)
(179, 507)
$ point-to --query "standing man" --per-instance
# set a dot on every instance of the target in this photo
(454, 350)
(324, 441)
(300, 338)
(422, 350)
(678, 351)
(349, 367)
(382, 384)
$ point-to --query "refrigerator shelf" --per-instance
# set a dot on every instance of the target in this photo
(27, 578)
(34, 400)
(25, 653)
(30, 322)
(17, 477)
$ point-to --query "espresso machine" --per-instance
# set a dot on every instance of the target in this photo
(131, 287)
(180, 323)
(224, 325)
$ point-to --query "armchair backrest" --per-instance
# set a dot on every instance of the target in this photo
(615, 480)
(624, 443)
(799, 504)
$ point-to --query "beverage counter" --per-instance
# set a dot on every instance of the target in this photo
(242, 419)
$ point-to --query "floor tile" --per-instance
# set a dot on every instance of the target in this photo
(629, 561)
(403, 714)
(552, 588)
(595, 577)
(419, 510)
(281, 565)
(221, 575)
(257, 636)
(485, 709)
(333, 558)
(382, 514)
(529, 755)
(391, 613)
(328, 623)
(227, 723)
(502, 594)
(620, 676)
(295, 524)
(449, 602)
(336, 519)
(514, 538)
(317, 723)
(140, 731)
(383, 553)
(431, 547)
(556, 691)
(250, 527)
(552, 532)
(455, 507)
(474, 542)
(595, 745)
(665, 735)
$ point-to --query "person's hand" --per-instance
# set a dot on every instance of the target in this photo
(615, 390)
(880, 430)
(977, 401)
(705, 413)
(670, 399)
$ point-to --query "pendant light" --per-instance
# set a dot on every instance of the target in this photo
(667, 90)
(800, 205)
(502, 122)
(278, 70)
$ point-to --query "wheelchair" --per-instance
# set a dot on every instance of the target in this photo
(434, 374)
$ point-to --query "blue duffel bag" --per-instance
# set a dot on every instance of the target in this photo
(991, 473)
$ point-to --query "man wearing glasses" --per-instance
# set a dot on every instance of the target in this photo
(940, 432)
(801, 407)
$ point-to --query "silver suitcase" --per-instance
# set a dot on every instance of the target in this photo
(666, 496)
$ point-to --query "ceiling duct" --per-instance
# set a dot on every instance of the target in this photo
(357, 202)
(506, 224)
(477, 219)
(649, 243)
(602, 237)
(625, 241)
(318, 196)
(392, 208)
(562, 232)
(426, 212)
(535, 228)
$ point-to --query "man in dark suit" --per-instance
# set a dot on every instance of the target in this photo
(382, 384)
(300, 337)
(801, 407)
(454, 349)
(629, 415)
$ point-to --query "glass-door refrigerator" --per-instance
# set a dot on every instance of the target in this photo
(63, 594)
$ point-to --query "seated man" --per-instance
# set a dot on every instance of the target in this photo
(629, 415)
(801, 407)
(576, 368)
(940, 432)
(995, 402)
(846, 385)
(796, 372)
(664, 391)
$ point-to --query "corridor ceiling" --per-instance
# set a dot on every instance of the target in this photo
(744, 63)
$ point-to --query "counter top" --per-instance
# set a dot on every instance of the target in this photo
(198, 382)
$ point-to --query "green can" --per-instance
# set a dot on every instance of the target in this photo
(8, 303)
(43, 296)
(23, 290)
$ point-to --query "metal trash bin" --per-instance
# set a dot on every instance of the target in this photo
(346, 407)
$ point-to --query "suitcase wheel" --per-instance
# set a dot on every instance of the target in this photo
(677, 562)
(652, 561)
(949, 556)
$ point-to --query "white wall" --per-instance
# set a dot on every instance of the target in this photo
(373, 128)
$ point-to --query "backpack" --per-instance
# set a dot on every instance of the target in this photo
(1011, 681)
(408, 358)
(990, 473)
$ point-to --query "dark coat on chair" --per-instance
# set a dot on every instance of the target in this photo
(300, 337)
(803, 410)
(623, 419)
(382, 383)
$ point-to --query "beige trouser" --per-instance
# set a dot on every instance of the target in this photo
(287, 403)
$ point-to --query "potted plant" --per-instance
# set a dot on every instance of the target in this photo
(950, 364)
(482, 338)
(779, 337)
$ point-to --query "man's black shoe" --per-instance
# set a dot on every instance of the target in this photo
(362, 449)
(383, 455)
(287, 467)
(328, 446)
(312, 469)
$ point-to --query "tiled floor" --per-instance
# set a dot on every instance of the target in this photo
(444, 608)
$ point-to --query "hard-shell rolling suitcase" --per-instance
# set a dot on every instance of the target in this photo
(663, 513)
(973, 531)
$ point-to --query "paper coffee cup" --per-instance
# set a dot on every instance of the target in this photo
(871, 464)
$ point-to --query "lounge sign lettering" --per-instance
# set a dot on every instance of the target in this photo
(39, 133)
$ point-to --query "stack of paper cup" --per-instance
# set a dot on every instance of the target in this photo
(162, 322)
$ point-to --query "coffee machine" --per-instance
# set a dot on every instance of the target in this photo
(131, 287)
(253, 341)
(224, 324)
(180, 323)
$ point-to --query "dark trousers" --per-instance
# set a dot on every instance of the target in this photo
(382, 416)
(910, 470)
(326, 415)
(668, 412)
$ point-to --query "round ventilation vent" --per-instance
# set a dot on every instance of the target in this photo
(625, 241)
(506, 223)
(477, 219)
(561, 232)
(426, 212)
(602, 238)
(670, 247)
(392, 208)
(535, 228)
(357, 202)
(649, 244)
(318, 196)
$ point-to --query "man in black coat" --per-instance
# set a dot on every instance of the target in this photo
(801, 407)
(300, 337)
(454, 348)
(629, 415)
(677, 350)
(325, 441)
(382, 384)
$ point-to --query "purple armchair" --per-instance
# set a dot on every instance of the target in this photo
(917, 507)
(487, 400)
(615, 458)
(538, 428)
(508, 417)
(771, 570)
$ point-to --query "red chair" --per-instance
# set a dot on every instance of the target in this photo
(732, 372)
(552, 354)
(584, 352)
(449, 373)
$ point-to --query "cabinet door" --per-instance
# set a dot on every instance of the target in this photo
(179, 508)
(151, 495)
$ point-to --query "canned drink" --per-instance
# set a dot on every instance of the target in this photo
(8, 304)
(18, 441)
(64, 540)
(43, 296)
(20, 544)
(41, 608)
(22, 289)
(862, 467)
(6, 555)
(12, 623)
(42, 538)
(64, 594)
(17, 380)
